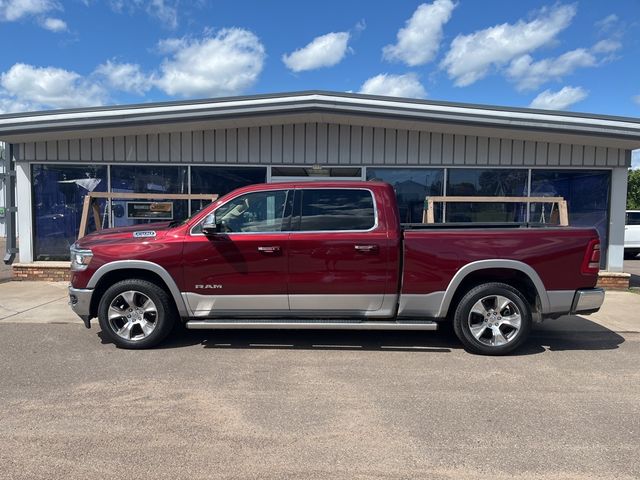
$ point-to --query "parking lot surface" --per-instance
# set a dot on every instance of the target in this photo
(251, 404)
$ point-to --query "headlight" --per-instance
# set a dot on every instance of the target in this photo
(80, 259)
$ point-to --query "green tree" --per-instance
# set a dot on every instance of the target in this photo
(633, 190)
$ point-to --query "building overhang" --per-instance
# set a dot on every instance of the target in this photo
(329, 107)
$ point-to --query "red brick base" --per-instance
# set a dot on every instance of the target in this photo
(43, 271)
(614, 280)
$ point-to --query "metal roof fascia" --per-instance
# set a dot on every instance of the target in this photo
(322, 102)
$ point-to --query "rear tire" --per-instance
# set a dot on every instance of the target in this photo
(136, 314)
(492, 319)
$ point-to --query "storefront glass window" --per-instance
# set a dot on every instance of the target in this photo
(58, 193)
(222, 180)
(412, 186)
(486, 183)
(586, 193)
(148, 179)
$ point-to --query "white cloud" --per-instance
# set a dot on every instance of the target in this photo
(11, 105)
(25, 87)
(12, 10)
(226, 63)
(606, 46)
(419, 40)
(559, 100)
(166, 13)
(636, 99)
(164, 10)
(607, 23)
(127, 77)
(407, 85)
(471, 57)
(54, 25)
(323, 51)
(529, 75)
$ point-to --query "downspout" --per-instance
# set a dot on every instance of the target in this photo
(8, 178)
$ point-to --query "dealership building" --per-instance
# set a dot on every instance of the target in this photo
(422, 148)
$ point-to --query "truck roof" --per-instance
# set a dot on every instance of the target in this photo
(317, 184)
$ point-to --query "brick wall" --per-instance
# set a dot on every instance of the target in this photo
(43, 271)
(614, 280)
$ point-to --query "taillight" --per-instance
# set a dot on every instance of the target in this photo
(591, 262)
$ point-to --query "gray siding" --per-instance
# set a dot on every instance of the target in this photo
(321, 143)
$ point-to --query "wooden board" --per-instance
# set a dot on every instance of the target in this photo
(89, 204)
(429, 217)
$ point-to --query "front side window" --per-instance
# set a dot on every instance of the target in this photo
(336, 209)
(253, 212)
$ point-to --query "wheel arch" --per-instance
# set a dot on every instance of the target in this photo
(513, 272)
(113, 272)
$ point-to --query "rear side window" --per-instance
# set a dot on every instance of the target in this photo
(336, 209)
(633, 218)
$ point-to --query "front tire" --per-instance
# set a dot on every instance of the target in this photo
(492, 319)
(136, 314)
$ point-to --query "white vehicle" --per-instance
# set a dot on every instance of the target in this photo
(632, 234)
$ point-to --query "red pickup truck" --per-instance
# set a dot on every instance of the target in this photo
(330, 255)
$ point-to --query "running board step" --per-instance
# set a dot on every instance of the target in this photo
(308, 325)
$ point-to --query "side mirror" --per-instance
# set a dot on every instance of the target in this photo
(210, 226)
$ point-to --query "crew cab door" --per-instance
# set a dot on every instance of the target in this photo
(241, 271)
(339, 263)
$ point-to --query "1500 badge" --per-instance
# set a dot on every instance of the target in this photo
(209, 286)
(144, 234)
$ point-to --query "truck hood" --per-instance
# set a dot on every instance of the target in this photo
(143, 233)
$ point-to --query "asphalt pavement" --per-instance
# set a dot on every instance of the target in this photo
(278, 404)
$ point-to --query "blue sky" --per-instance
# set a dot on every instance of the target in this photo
(580, 56)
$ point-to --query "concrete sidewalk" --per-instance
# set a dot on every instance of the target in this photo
(46, 302)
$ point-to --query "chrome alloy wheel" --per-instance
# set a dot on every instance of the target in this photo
(494, 320)
(132, 315)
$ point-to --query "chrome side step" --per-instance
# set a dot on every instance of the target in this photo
(308, 325)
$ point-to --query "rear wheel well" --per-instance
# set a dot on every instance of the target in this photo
(515, 278)
(113, 277)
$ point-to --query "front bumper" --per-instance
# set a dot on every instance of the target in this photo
(80, 301)
(587, 301)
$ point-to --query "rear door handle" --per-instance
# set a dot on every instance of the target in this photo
(366, 248)
(271, 249)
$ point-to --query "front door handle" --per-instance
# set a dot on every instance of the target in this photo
(271, 249)
(366, 248)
